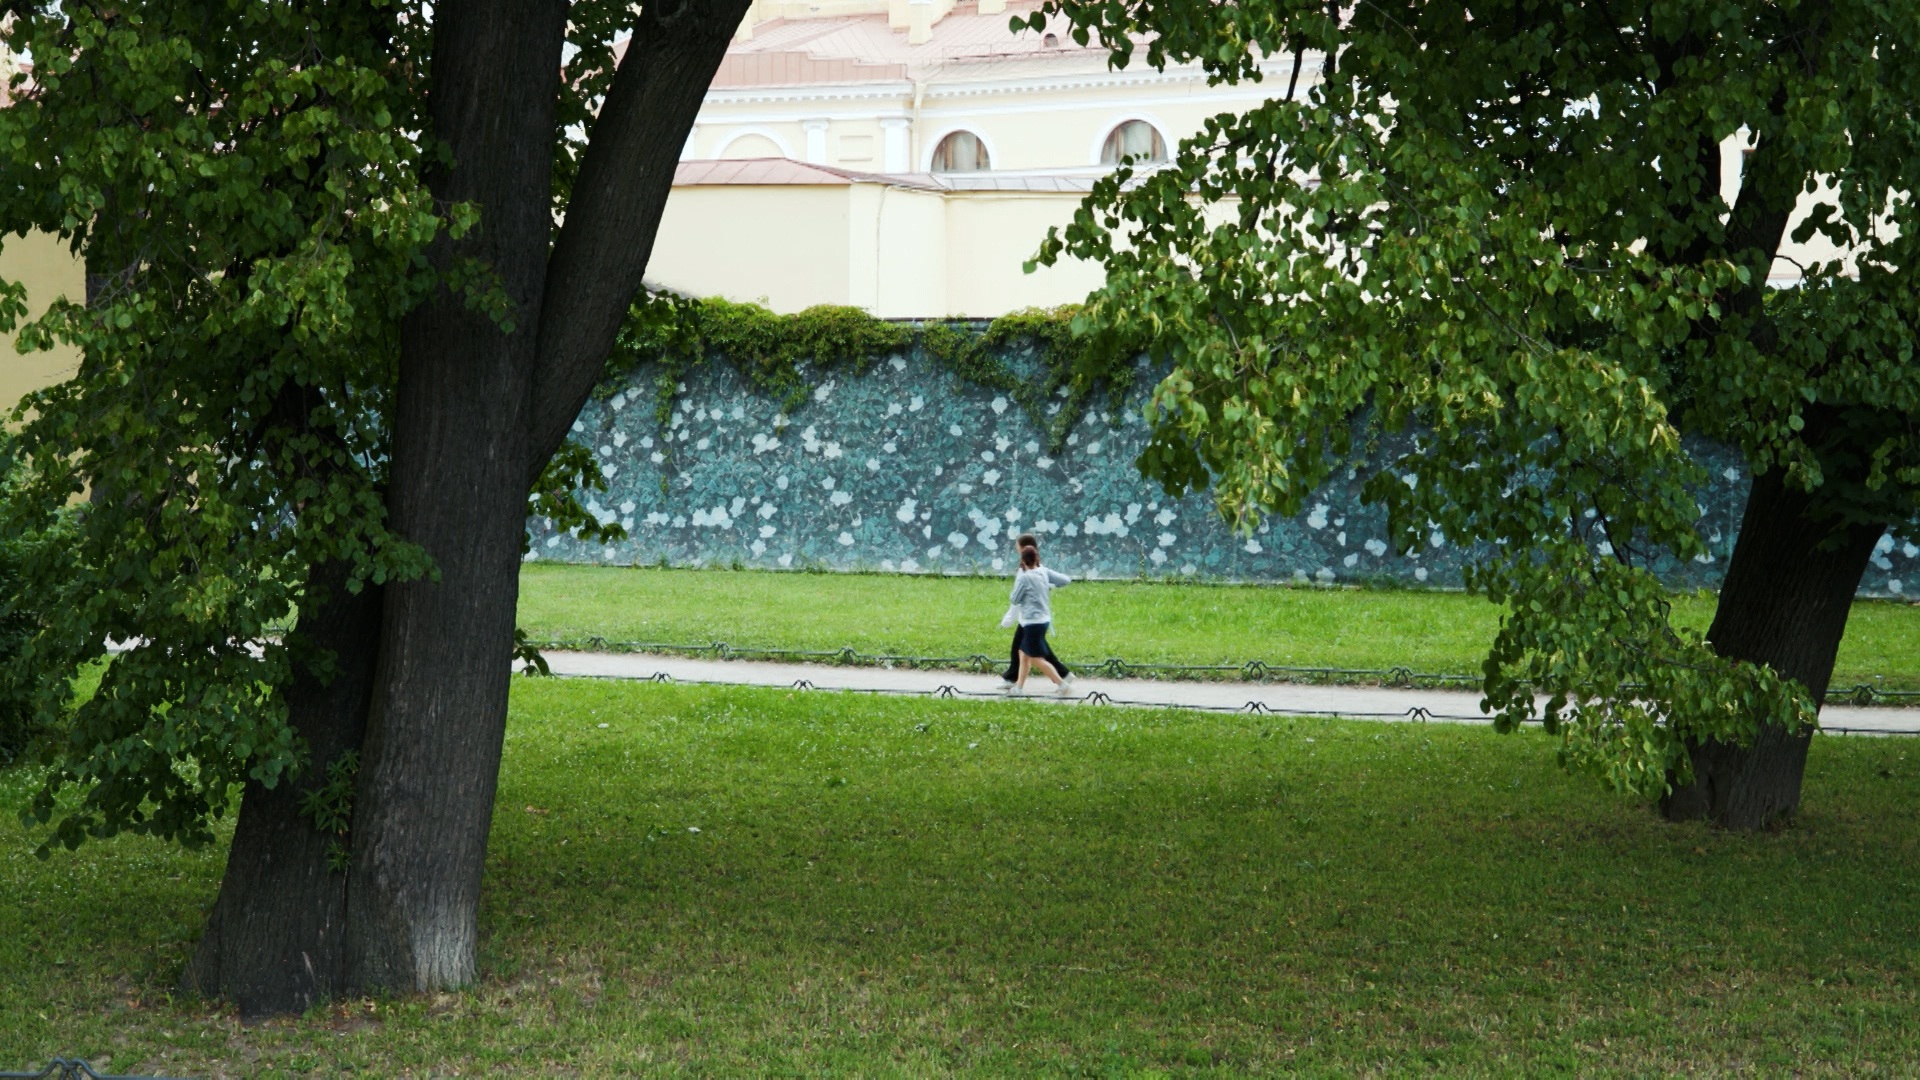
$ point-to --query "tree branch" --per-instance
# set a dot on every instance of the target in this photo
(601, 254)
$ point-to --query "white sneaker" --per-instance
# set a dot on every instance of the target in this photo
(1066, 686)
(1006, 684)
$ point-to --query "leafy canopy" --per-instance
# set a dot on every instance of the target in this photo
(1526, 231)
(239, 184)
(244, 181)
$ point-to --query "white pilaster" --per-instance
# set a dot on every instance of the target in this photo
(816, 141)
(895, 151)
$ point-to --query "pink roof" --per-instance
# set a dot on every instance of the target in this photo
(843, 49)
(798, 69)
(839, 50)
(965, 44)
(777, 172)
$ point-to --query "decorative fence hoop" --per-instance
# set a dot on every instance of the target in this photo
(72, 1069)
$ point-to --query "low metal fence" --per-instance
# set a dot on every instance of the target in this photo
(1256, 671)
(74, 1069)
(1416, 714)
(1112, 667)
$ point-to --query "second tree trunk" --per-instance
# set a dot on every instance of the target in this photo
(459, 490)
(1788, 590)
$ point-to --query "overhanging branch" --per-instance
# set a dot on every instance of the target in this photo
(601, 253)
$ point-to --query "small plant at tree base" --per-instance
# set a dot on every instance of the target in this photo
(527, 654)
(331, 807)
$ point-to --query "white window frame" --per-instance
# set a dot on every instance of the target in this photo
(933, 146)
(1100, 140)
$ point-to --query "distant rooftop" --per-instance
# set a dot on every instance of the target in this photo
(780, 172)
(838, 49)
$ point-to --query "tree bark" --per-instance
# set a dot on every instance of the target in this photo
(474, 425)
(1789, 588)
(459, 490)
(275, 940)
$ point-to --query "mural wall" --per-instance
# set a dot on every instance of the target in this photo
(903, 469)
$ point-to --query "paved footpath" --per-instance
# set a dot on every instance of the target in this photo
(1358, 702)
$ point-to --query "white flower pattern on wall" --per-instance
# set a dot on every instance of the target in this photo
(942, 484)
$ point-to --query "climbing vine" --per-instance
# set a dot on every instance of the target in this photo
(1085, 363)
(784, 356)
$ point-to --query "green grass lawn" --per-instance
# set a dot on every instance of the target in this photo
(1433, 632)
(908, 887)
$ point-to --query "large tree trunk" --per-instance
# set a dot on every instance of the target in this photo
(1784, 604)
(275, 941)
(459, 490)
(481, 407)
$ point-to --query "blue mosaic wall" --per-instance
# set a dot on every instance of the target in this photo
(902, 469)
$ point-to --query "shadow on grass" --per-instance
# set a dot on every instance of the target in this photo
(920, 887)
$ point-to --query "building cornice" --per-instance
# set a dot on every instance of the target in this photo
(955, 110)
(1080, 80)
(1106, 80)
(991, 87)
(780, 95)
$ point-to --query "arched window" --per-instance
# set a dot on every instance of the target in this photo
(961, 152)
(1134, 139)
(1051, 41)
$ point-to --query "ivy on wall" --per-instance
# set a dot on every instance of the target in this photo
(831, 439)
(783, 356)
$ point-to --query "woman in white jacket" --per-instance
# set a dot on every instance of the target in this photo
(1034, 609)
(1007, 678)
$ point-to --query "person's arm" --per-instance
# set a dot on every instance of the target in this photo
(1056, 579)
(1021, 586)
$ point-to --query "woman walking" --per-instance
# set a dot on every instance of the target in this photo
(1012, 674)
(1034, 609)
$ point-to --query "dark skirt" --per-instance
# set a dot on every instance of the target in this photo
(1032, 639)
(1012, 673)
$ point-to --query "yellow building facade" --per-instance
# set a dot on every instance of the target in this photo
(902, 156)
(49, 271)
(908, 158)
